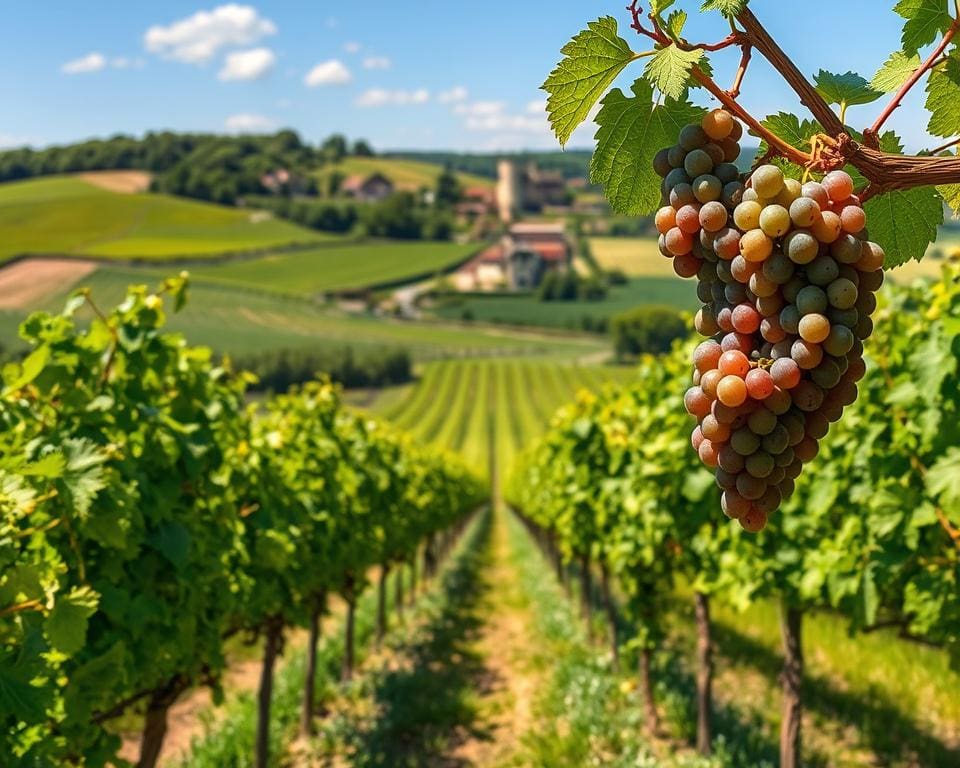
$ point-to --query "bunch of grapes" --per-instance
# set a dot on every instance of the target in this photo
(787, 277)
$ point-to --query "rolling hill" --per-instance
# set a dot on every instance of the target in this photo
(405, 174)
(67, 215)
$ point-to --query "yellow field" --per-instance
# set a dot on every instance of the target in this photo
(636, 256)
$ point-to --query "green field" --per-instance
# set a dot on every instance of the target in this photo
(461, 405)
(331, 268)
(634, 256)
(529, 310)
(237, 320)
(66, 215)
(405, 174)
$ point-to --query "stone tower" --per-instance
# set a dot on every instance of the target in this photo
(509, 194)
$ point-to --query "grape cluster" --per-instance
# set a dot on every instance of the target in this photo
(787, 277)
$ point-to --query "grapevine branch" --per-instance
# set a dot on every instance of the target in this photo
(884, 171)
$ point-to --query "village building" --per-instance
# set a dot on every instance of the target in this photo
(519, 261)
(367, 189)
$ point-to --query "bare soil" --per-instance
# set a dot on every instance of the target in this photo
(121, 182)
(25, 284)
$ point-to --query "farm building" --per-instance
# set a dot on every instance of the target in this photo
(367, 189)
(528, 189)
(520, 260)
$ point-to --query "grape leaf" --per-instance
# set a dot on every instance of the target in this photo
(926, 19)
(726, 7)
(951, 196)
(943, 479)
(791, 129)
(632, 130)
(943, 98)
(66, 626)
(895, 71)
(591, 62)
(669, 70)
(904, 223)
(676, 21)
(848, 89)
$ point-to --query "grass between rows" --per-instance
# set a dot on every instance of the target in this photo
(229, 733)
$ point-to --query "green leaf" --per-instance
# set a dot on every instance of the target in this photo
(926, 19)
(895, 71)
(726, 7)
(791, 129)
(904, 223)
(83, 476)
(848, 89)
(951, 196)
(592, 60)
(669, 70)
(66, 625)
(943, 479)
(676, 21)
(31, 367)
(173, 540)
(631, 131)
(943, 98)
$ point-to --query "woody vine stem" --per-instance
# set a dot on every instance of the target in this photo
(834, 148)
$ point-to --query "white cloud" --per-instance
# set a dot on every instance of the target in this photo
(332, 72)
(122, 62)
(198, 38)
(248, 65)
(377, 62)
(247, 122)
(92, 62)
(537, 107)
(352, 47)
(456, 94)
(480, 108)
(380, 97)
(12, 140)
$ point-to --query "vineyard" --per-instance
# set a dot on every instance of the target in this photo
(743, 550)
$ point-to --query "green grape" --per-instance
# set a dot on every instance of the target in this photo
(775, 220)
(697, 163)
(801, 246)
(811, 299)
(823, 270)
(767, 180)
(692, 137)
(842, 293)
(707, 188)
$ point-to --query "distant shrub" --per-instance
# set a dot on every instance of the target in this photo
(281, 369)
(649, 329)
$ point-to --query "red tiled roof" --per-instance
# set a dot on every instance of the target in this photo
(493, 253)
(548, 250)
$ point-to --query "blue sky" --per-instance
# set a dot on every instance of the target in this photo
(403, 74)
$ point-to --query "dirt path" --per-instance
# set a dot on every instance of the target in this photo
(505, 645)
(121, 182)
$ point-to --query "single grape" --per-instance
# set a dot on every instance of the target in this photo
(755, 246)
(759, 464)
(779, 401)
(725, 319)
(755, 520)
(707, 355)
(705, 321)
(815, 191)
(686, 265)
(804, 212)
(717, 124)
(750, 487)
(846, 249)
(807, 396)
(682, 195)
(823, 270)
(732, 391)
(688, 218)
(728, 173)
(696, 402)
(775, 220)
(692, 137)
(750, 196)
(733, 363)
(839, 341)
(806, 450)
(853, 219)
(676, 155)
(763, 288)
(771, 330)
(768, 306)
(741, 269)
(697, 163)
(709, 381)
(666, 219)
(838, 185)
(847, 317)
(842, 293)
(746, 319)
(725, 480)
(707, 188)
(713, 430)
(806, 354)
(661, 163)
(792, 288)
(747, 215)
(814, 328)
(778, 268)
(801, 246)
(785, 372)
(871, 258)
(731, 150)
(827, 374)
(827, 228)
(759, 384)
(767, 180)
(734, 505)
(676, 177)
(790, 192)
(735, 293)
(776, 441)
(744, 441)
(715, 151)
(732, 194)
(678, 242)
(708, 453)
(762, 421)
(790, 319)
(713, 216)
(727, 243)
(871, 281)
(742, 342)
